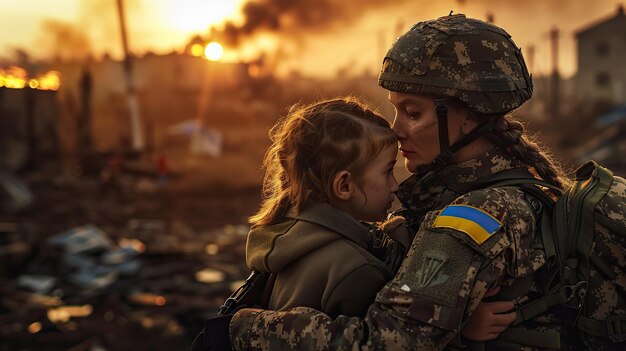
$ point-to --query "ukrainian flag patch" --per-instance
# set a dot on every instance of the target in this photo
(476, 223)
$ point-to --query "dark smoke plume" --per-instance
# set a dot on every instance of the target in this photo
(65, 41)
(295, 16)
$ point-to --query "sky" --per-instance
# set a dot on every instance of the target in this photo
(315, 37)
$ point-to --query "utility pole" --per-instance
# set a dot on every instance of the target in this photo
(490, 17)
(135, 118)
(84, 125)
(531, 58)
(555, 100)
(31, 129)
(381, 46)
(399, 27)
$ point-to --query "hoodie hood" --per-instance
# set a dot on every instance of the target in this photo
(270, 248)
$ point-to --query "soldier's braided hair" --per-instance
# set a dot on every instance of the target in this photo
(510, 134)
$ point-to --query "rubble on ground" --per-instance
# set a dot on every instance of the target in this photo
(80, 273)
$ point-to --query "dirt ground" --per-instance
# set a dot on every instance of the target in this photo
(187, 228)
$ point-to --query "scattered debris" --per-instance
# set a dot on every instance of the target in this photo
(14, 193)
(88, 274)
(37, 283)
(210, 276)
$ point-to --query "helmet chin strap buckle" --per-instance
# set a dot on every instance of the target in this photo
(443, 159)
(441, 107)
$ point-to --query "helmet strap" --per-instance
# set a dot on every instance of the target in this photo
(445, 155)
(471, 136)
(441, 108)
(448, 151)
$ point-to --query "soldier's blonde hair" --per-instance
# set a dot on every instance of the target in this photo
(310, 146)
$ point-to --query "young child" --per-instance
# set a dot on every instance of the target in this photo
(330, 166)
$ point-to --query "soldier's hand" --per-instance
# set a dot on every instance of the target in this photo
(489, 319)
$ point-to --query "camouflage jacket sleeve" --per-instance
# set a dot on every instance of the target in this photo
(441, 281)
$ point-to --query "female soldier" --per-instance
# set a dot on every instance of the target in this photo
(453, 82)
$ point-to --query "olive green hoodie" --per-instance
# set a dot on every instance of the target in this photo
(321, 261)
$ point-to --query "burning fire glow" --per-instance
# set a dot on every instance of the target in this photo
(17, 78)
(197, 50)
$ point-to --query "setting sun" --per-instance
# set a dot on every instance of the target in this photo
(198, 15)
(213, 51)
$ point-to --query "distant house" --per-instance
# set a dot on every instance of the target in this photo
(601, 56)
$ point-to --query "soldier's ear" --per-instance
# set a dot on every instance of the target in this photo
(342, 185)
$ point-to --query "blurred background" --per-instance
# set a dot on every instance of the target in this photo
(132, 134)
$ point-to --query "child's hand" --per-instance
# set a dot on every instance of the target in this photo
(395, 228)
(489, 319)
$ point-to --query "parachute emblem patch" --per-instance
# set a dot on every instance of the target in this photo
(430, 273)
(476, 223)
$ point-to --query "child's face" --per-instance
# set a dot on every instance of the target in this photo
(377, 189)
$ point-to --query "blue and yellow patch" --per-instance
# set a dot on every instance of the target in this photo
(476, 223)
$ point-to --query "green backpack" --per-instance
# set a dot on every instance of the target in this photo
(584, 237)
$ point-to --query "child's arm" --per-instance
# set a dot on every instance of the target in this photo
(489, 319)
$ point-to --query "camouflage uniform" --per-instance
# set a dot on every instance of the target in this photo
(414, 311)
(446, 271)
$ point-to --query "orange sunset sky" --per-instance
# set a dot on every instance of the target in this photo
(350, 34)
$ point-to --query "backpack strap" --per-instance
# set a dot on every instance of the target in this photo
(509, 177)
(545, 339)
(553, 238)
(543, 205)
(558, 296)
(614, 327)
(255, 291)
(593, 182)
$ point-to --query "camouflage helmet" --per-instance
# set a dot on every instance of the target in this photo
(464, 58)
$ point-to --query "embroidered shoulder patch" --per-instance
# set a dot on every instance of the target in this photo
(476, 223)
